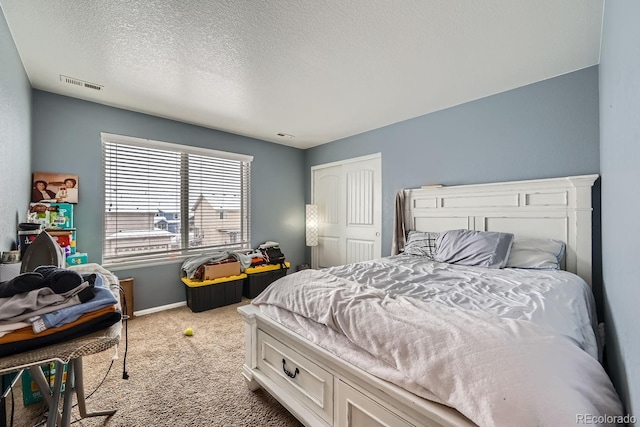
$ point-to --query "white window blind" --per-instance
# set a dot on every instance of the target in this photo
(164, 200)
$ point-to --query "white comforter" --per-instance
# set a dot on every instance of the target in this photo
(504, 347)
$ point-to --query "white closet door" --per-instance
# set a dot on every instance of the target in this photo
(328, 193)
(348, 195)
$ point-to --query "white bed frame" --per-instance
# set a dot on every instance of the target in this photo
(321, 389)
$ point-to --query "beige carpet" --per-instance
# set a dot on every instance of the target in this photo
(174, 380)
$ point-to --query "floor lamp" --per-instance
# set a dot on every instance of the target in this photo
(311, 228)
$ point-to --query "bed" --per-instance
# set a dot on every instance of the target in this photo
(406, 340)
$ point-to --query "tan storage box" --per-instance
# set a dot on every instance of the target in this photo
(215, 271)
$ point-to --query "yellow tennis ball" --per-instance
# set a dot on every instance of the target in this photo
(188, 332)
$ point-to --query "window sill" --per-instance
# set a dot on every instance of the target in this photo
(145, 263)
(129, 265)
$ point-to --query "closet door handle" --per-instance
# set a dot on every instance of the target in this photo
(289, 374)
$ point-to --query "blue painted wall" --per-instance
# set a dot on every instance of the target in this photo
(620, 168)
(15, 138)
(66, 138)
(544, 130)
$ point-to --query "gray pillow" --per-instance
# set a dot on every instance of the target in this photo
(421, 243)
(476, 248)
(536, 254)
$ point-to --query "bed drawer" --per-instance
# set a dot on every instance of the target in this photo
(308, 382)
(354, 409)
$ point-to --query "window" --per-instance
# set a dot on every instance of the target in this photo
(164, 200)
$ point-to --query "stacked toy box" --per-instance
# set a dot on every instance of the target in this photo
(57, 220)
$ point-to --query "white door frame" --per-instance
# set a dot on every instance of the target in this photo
(314, 253)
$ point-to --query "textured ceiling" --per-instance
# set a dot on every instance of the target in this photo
(318, 70)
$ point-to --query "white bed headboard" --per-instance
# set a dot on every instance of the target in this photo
(557, 208)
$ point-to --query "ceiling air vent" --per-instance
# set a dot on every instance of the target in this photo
(81, 83)
(285, 135)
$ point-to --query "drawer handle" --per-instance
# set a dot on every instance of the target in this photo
(289, 374)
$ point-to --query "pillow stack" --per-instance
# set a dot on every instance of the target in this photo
(476, 248)
(488, 249)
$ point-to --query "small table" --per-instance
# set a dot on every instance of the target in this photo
(69, 352)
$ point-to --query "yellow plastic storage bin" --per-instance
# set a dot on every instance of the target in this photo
(207, 294)
(258, 278)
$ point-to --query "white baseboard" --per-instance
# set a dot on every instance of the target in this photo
(160, 308)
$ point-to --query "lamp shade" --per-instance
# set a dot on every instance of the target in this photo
(311, 215)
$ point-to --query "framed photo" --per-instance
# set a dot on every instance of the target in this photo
(54, 187)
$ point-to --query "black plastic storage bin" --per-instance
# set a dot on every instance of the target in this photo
(257, 281)
(206, 295)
